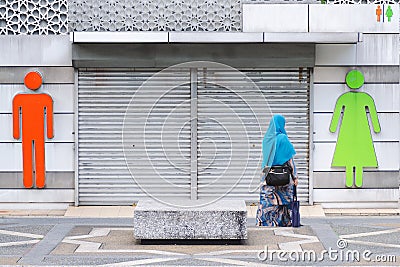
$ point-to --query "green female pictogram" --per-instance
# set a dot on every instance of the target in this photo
(389, 13)
(354, 147)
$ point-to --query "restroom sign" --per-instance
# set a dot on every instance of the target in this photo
(384, 13)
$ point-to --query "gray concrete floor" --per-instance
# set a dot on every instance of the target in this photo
(110, 242)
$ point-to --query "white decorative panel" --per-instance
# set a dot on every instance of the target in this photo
(356, 204)
(378, 49)
(371, 179)
(62, 94)
(386, 96)
(155, 15)
(376, 74)
(346, 2)
(331, 74)
(215, 37)
(352, 18)
(33, 17)
(356, 195)
(50, 75)
(63, 128)
(281, 1)
(335, 54)
(36, 195)
(268, 18)
(387, 154)
(59, 157)
(390, 127)
(311, 37)
(35, 51)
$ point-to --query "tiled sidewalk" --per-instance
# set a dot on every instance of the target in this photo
(32, 212)
(361, 212)
(65, 241)
(100, 211)
(127, 212)
(305, 211)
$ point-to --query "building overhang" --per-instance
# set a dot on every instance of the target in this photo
(215, 37)
(237, 49)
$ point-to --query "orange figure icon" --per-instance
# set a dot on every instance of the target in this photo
(378, 14)
(29, 114)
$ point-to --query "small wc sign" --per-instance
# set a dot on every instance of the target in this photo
(384, 13)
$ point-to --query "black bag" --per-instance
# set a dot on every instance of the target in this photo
(279, 175)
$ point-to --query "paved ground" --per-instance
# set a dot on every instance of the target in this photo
(127, 212)
(110, 242)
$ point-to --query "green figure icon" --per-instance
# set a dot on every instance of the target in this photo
(389, 13)
(354, 147)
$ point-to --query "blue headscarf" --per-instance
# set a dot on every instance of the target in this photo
(276, 147)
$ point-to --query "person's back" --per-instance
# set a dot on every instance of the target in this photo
(274, 207)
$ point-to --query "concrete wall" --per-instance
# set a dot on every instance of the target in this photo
(377, 57)
(376, 54)
(52, 57)
(313, 18)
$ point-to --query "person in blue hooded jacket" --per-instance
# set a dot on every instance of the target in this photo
(274, 207)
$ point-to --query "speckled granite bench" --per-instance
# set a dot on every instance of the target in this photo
(225, 219)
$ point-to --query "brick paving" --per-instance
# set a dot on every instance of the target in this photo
(109, 241)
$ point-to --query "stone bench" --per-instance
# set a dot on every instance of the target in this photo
(225, 219)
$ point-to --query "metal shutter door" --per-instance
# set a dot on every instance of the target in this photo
(103, 98)
(287, 91)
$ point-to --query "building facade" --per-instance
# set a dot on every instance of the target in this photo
(133, 118)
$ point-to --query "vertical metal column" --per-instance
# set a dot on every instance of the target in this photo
(311, 139)
(193, 134)
(76, 137)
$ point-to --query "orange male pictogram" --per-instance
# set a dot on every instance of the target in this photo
(30, 112)
(378, 14)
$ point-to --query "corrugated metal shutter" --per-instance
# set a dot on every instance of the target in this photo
(287, 92)
(103, 98)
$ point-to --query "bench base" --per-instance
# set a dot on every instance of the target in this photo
(225, 219)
